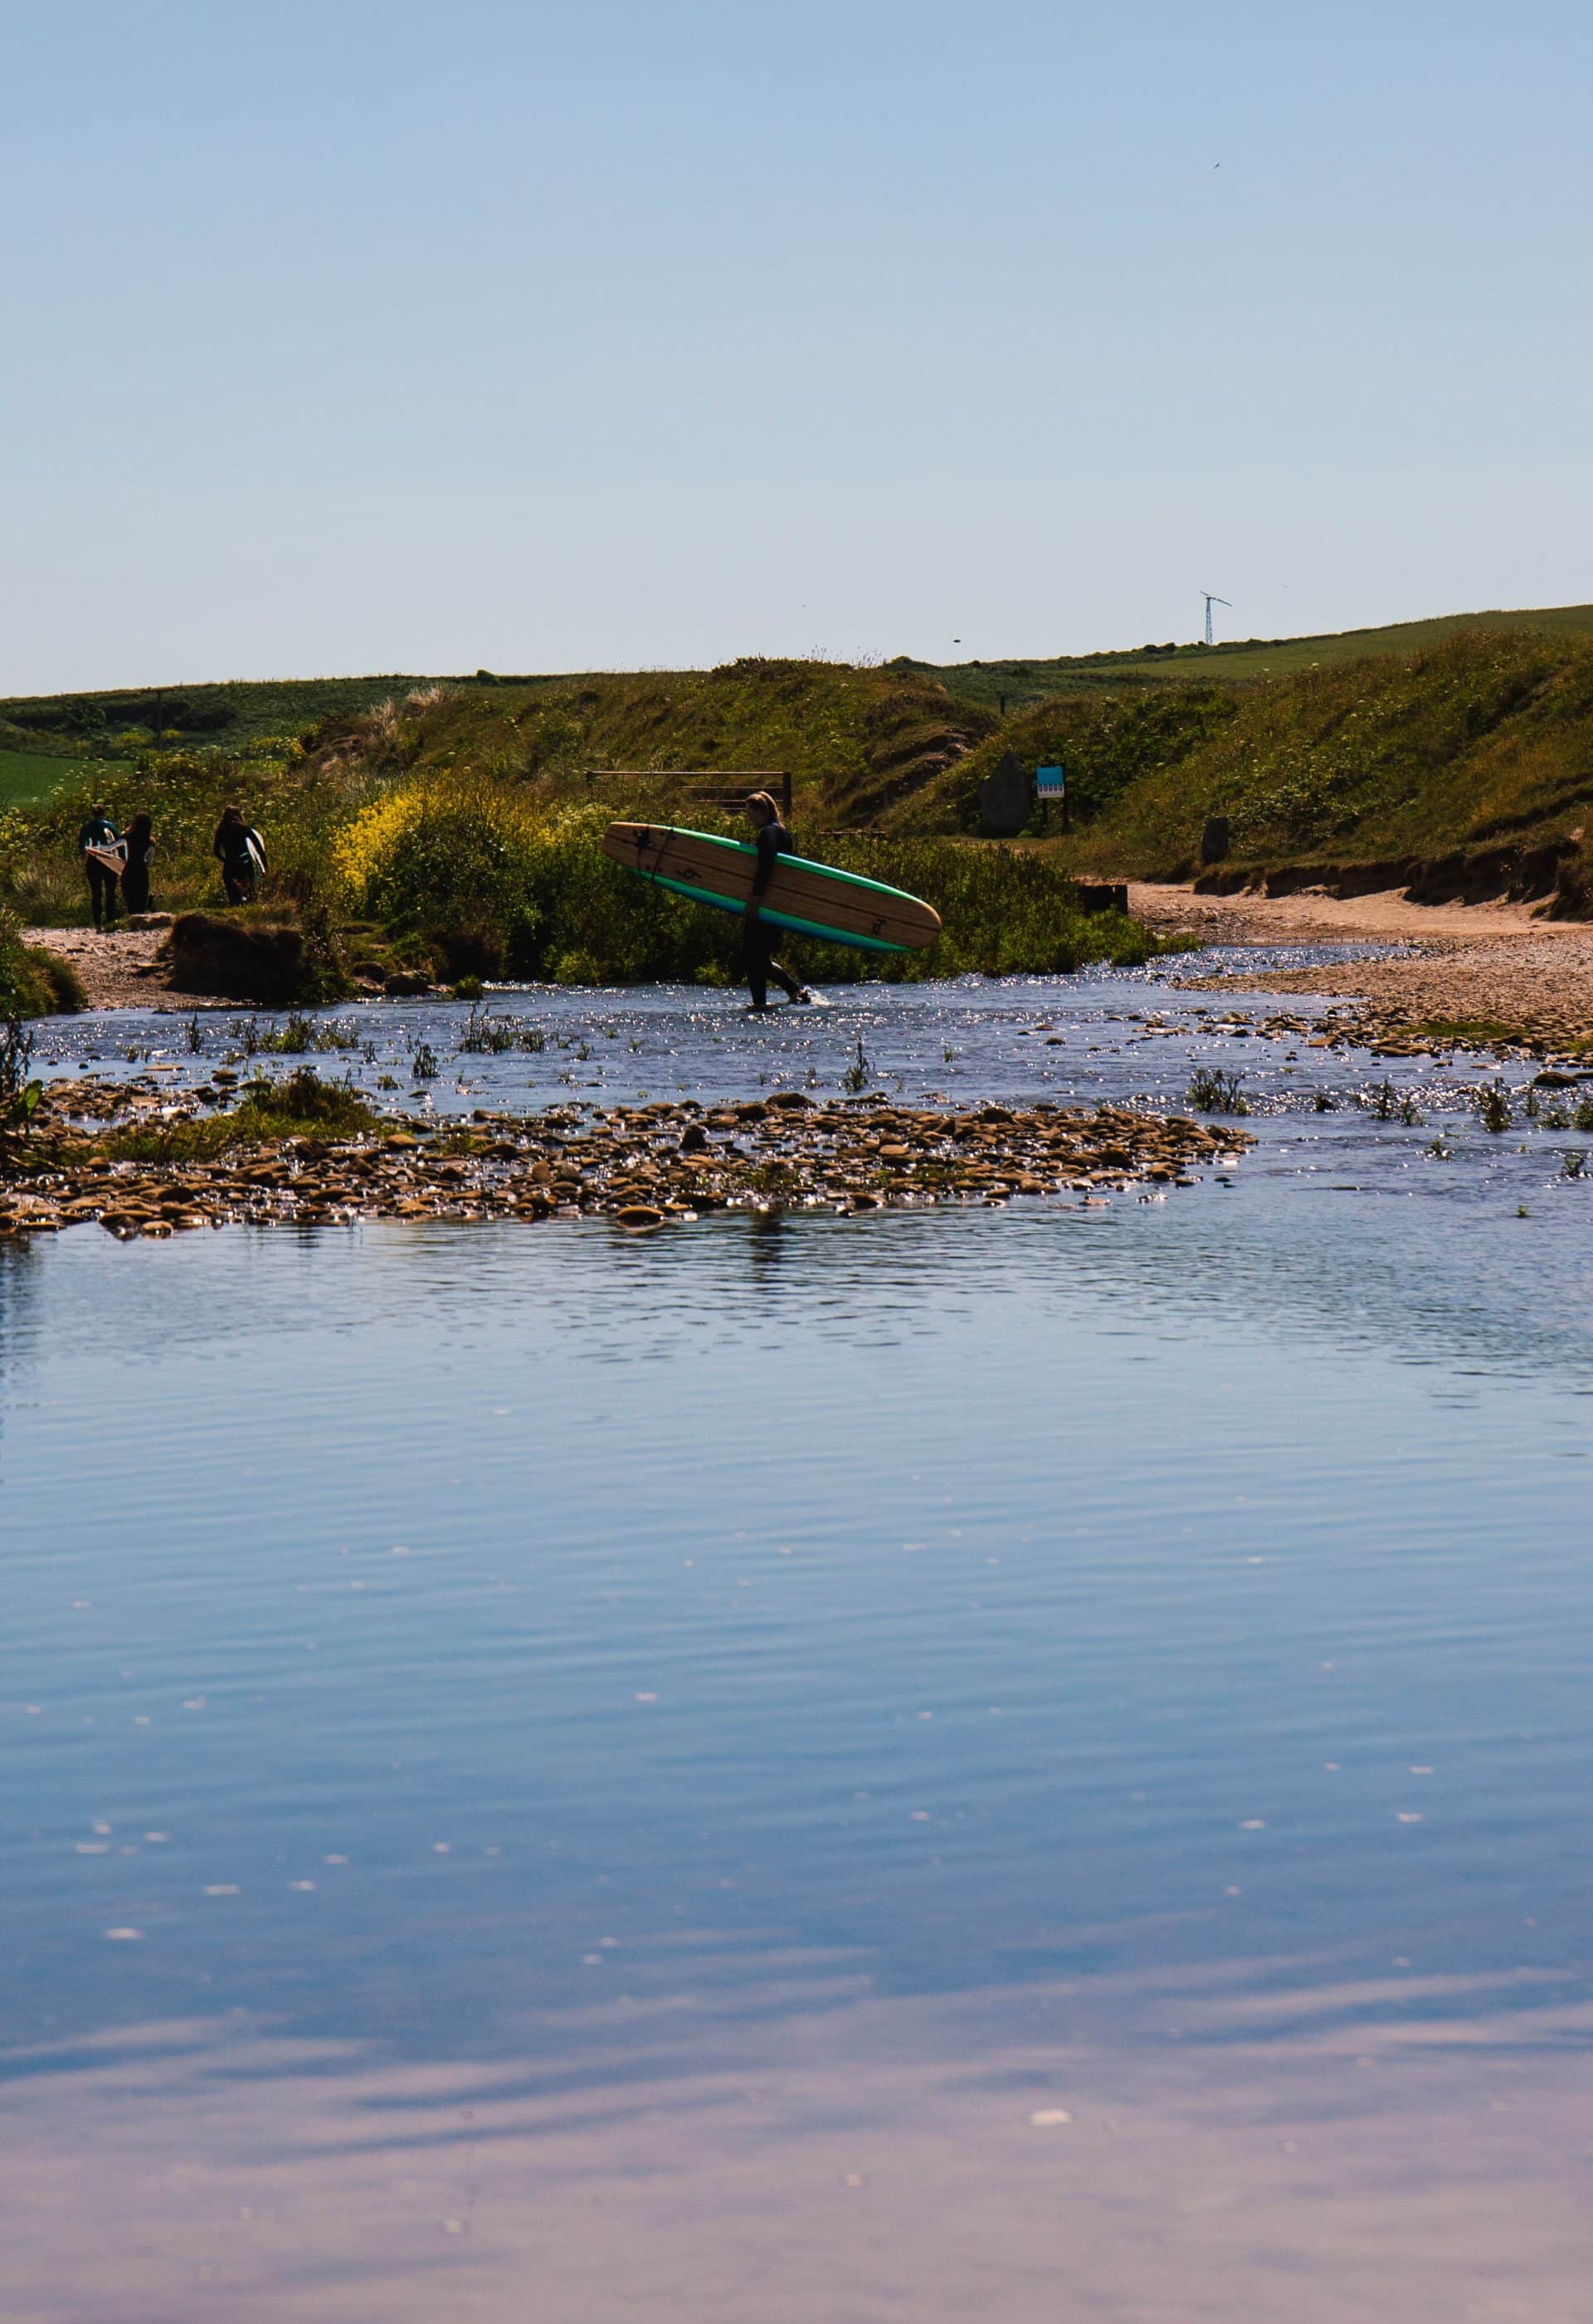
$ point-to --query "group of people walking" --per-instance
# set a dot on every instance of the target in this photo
(118, 864)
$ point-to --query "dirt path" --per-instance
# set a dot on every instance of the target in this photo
(1474, 966)
(119, 971)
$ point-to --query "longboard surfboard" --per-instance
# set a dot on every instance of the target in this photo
(813, 899)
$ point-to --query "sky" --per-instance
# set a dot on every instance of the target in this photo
(349, 337)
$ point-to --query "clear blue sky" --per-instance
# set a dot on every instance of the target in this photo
(346, 337)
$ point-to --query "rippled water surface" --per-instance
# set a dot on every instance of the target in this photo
(1033, 1759)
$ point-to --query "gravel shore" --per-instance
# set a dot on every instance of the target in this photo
(642, 1166)
(1490, 975)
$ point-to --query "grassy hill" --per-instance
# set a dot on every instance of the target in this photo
(1019, 682)
(1465, 734)
(240, 710)
(1483, 741)
(855, 741)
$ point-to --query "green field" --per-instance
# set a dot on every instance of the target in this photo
(1245, 661)
(222, 716)
(27, 776)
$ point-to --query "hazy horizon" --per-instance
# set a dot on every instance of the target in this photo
(595, 670)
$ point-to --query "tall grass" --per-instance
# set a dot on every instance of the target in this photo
(301, 1106)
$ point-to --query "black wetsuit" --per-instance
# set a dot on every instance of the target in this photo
(99, 831)
(757, 936)
(240, 869)
(135, 879)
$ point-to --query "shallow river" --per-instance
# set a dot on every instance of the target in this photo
(1030, 1762)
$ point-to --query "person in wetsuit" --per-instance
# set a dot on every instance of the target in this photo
(99, 831)
(135, 873)
(772, 840)
(242, 853)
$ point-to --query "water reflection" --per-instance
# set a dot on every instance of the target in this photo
(908, 2159)
(662, 1770)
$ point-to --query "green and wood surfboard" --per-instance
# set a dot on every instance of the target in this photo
(813, 899)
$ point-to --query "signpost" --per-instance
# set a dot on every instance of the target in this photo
(1051, 783)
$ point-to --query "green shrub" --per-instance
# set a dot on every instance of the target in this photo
(484, 871)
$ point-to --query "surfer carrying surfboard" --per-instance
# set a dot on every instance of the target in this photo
(100, 844)
(242, 853)
(771, 842)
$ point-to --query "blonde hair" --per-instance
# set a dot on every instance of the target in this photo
(762, 799)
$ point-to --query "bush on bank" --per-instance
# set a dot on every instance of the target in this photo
(492, 883)
(34, 983)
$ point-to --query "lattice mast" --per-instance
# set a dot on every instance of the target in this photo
(1213, 599)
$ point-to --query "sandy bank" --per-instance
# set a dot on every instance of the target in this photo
(1491, 969)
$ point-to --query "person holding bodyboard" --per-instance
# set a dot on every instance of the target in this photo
(772, 841)
(103, 854)
(242, 853)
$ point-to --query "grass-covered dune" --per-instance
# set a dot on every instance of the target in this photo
(860, 735)
(1482, 743)
(1466, 767)
(1109, 743)
(855, 741)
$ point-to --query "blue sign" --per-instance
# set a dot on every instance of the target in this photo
(1050, 782)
